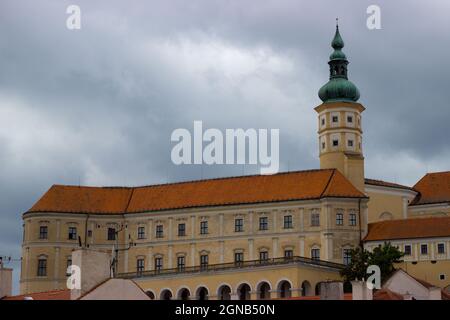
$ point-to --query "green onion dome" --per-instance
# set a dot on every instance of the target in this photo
(339, 88)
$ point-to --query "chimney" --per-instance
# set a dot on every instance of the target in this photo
(94, 269)
(5, 281)
(360, 291)
(331, 290)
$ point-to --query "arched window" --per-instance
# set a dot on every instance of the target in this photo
(263, 290)
(224, 292)
(284, 289)
(166, 295)
(202, 293)
(243, 292)
(306, 288)
(184, 294)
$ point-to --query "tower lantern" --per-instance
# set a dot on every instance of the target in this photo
(340, 128)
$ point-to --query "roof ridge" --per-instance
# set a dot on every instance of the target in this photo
(191, 181)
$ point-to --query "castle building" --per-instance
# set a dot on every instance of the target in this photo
(248, 237)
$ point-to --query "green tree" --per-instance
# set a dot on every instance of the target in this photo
(384, 256)
(356, 269)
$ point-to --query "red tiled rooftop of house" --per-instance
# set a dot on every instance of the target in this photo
(289, 186)
(409, 229)
(433, 188)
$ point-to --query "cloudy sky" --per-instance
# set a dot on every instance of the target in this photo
(97, 106)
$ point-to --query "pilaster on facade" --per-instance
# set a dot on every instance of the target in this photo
(221, 226)
(328, 246)
(150, 230)
(250, 219)
(58, 227)
(302, 246)
(150, 257)
(170, 256)
(221, 251)
(251, 249)
(302, 219)
(170, 228)
(275, 247)
(193, 217)
(192, 245)
(275, 216)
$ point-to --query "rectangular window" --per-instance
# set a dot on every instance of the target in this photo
(42, 268)
(89, 233)
(424, 249)
(315, 254)
(263, 223)
(335, 143)
(159, 231)
(238, 258)
(158, 263)
(335, 119)
(339, 219)
(181, 229)
(407, 250)
(204, 227)
(111, 234)
(441, 248)
(238, 225)
(350, 143)
(181, 263)
(204, 261)
(349, 119)
(288, 254)
(141, 232)
(323, 121)
(140, 265)
(323, 145)
(347, 257)
(315, 219)
(72, 233)
(43, 232)
(352, 219)
(288, 222)
(263, 256)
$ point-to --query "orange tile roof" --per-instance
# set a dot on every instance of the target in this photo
(409, 229)
(48, 295)
(386, 184)
(299, 185)
(386, 294)
(433, 188)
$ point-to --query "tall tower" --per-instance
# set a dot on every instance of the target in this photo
(340, 133)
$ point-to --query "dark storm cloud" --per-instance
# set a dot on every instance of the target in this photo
(97, 106)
